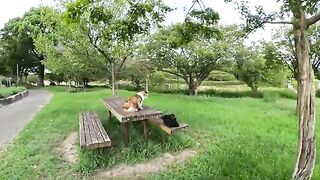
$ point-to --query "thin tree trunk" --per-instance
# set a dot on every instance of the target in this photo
(306, 111)
(41, 75)
(147, 83)
(113, 79)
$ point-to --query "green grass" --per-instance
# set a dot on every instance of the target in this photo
(240, 138)
(8, 91)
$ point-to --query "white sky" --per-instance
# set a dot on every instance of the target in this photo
(12, 8)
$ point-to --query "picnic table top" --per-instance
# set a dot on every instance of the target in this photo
(114, 104)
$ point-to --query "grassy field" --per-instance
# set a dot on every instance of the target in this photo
(238, 138)
(5, 92)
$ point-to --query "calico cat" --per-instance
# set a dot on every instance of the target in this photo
(134, 103)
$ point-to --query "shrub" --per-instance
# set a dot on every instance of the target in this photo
(5, 92)
(318, 93)
(231, 94)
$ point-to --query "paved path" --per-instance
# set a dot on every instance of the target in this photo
(15, 116)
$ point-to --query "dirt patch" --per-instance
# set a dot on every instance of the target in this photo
(154, 165)
(68, 148)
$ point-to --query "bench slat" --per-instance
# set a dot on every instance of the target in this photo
(99, 136)
(103, 132)
(87, 130)
(81, 132)
(92, 133)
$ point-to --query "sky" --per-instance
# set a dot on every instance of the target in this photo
(13, 8)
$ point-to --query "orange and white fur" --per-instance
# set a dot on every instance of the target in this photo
(134, 103)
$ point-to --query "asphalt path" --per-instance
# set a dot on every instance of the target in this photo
(14, 117)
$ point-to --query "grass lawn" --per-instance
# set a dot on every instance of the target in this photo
(8, 91)
(239, 138)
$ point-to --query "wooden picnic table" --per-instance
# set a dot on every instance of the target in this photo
(114, 105)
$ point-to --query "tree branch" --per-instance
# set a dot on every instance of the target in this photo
(93, 42)
(313, 19)
(173, 73)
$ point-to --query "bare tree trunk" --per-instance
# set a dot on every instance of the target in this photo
(113, 79)
(41, 75)
(305, 105)
(147, 83)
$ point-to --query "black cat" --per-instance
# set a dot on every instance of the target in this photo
(170, 120)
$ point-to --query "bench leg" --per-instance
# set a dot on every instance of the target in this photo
(145, 129)
(109, 115)
(126, 133)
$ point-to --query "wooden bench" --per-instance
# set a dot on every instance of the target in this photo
(77, 88)
(168, 130)
(92, 134)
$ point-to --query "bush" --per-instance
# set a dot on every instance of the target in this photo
(231, 94)
(6, 92)
(318, 93)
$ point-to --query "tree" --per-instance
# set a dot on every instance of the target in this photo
(190, 50)
(15, 50)
(303, 15)
(285, 42)
(138, 71)
(113, 27)
(274, 72)
(67, 51)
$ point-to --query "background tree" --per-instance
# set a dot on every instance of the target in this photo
(114, 26)
(67, 51)
(285, 43)
(303, 15)
(16, 50)
(190, 50)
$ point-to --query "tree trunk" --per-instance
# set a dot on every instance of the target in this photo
(192, 88)
(306, 110)
(41, 75)
(147, 83)
(113, 79)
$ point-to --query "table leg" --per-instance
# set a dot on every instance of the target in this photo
(145, 129)
(126, 133)
(109, 115)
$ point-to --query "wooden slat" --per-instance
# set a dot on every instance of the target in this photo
(81, 132)
(103, 132)
(87, 130)
(105, 140)
(92, 133)
(96, 129)
(168, 130)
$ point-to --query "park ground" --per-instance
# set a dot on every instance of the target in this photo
(235, 138)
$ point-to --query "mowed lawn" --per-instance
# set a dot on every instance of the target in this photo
(236, 138)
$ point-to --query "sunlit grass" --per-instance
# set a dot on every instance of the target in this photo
(238, 138)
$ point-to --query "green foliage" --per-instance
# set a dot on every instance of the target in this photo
(274, 72)
(8, 91)
(16, 48)
(173, 51)
(260, 65)
(115, 29)
(70, 53)
(220, 76)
